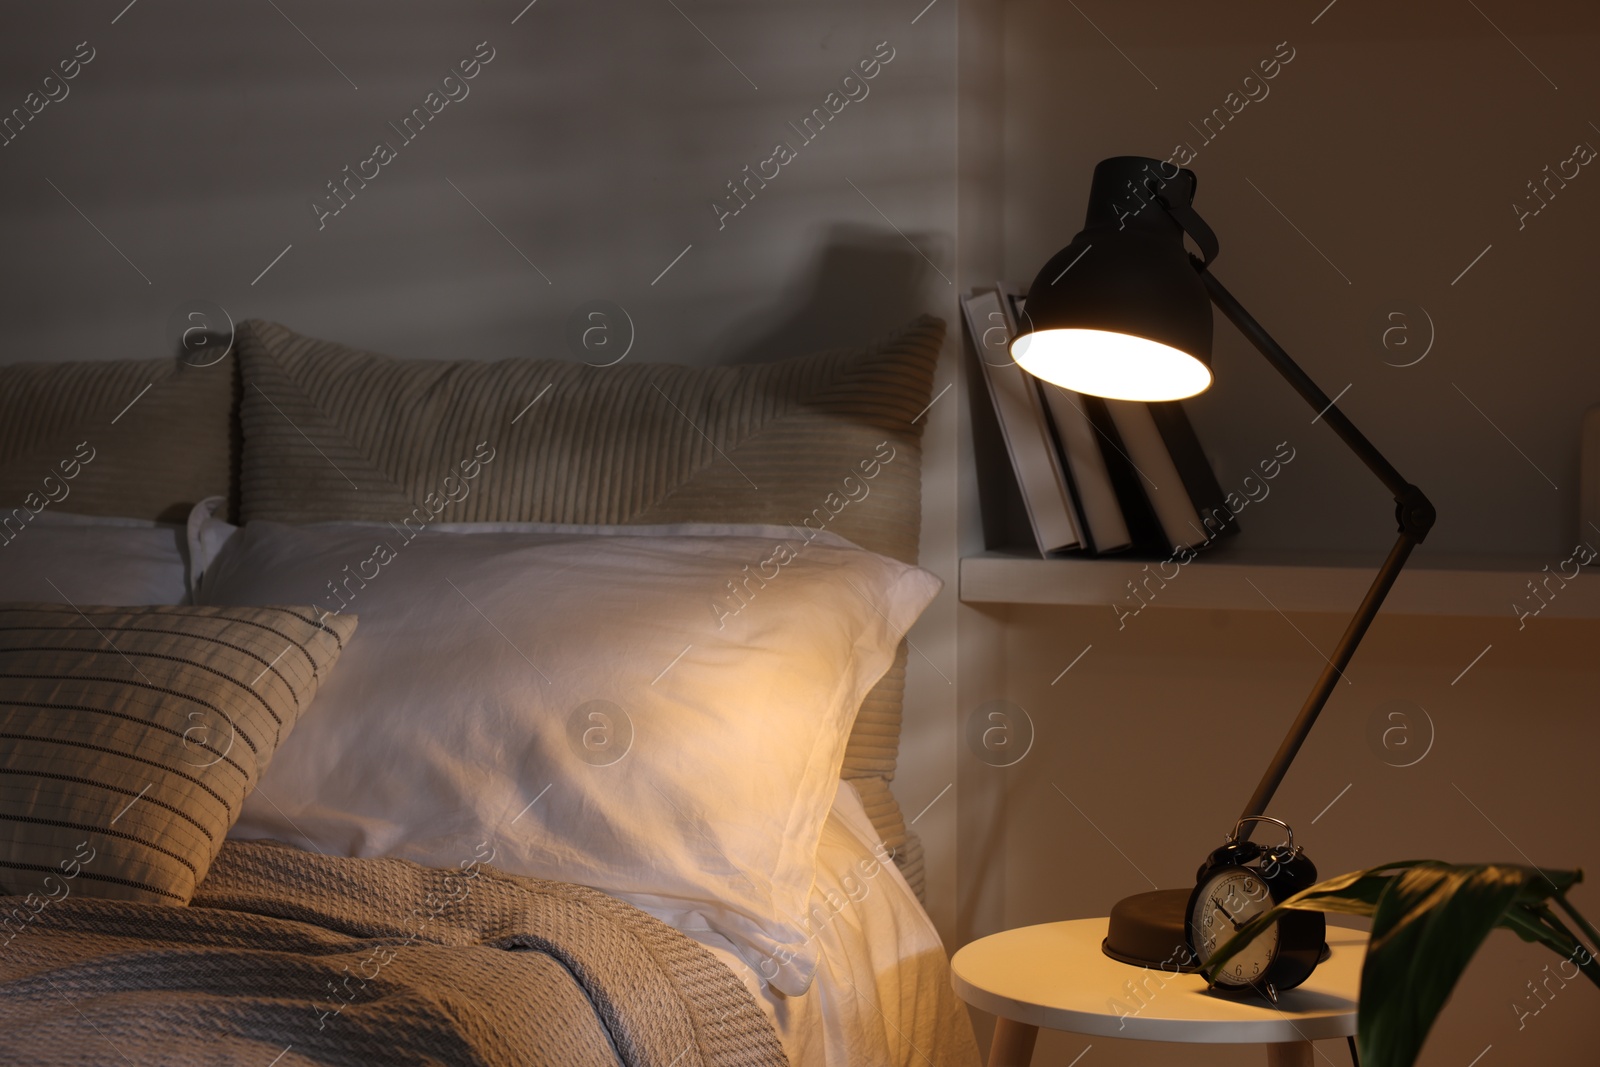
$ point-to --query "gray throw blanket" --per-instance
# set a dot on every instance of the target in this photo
(289, 959)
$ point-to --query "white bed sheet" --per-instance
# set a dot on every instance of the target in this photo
(882, 995)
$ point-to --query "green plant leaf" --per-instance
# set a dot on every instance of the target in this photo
(1583, 924)
(1546, 884)
(1536, 922)
(1429, 918)
(1527, 924)
(1428, 924)
(1355, 893)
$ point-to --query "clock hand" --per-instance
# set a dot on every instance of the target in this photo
(1225, 914)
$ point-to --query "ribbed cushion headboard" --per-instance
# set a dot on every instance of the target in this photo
(144, 439)
(331, 432)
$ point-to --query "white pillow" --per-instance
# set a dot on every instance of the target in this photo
(596, 703)
(59, 558)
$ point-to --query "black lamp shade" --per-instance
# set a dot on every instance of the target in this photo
(1121, 312)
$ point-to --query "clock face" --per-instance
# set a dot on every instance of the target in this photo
(1227, 900)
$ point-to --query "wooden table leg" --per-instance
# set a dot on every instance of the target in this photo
(1012, 1045)
(1290, 1054)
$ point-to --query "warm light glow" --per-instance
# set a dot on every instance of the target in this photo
(1118, 366)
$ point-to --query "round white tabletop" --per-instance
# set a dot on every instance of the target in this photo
(1055, 976)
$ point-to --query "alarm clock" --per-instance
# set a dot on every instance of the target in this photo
(1238, 882)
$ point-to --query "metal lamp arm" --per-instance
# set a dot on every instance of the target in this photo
(1330, 676)
(1413, 511)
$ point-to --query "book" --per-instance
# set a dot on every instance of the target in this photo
(1199, 481)
(1163, 486)
(1099, 516)
(1012, 303)
(1144, 529)
(1020, 411)
(1081, 451)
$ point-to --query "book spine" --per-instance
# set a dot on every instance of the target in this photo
(1144, 530)
(1021, 418)
(1180, 521)
(1011, 304)
(1199, 481)
(1079, 442)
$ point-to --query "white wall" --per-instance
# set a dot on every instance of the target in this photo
(1159, 733)
(1394, 141)
(196, 139)
(595, 140)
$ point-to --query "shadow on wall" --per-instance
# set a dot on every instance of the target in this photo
(863, 282)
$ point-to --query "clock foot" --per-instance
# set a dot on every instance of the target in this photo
(1290, 1054)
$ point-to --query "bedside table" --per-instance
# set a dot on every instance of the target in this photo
(1055, 976)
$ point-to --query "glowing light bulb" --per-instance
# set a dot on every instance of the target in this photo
(1117, 366)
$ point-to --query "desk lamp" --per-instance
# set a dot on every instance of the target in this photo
(1124, 312)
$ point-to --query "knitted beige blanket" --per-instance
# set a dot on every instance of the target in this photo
(289, 959)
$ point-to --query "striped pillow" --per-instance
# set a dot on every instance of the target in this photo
(129, 738)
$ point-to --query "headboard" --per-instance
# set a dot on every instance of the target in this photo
(318, 431)
(159, 435)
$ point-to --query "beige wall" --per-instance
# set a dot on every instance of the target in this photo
(1395, 140)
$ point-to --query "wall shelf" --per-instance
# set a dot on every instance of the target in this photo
(1221, 579)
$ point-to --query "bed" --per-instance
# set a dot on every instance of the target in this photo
(357, 710)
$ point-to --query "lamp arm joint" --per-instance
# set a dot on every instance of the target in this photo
(1415, 513)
